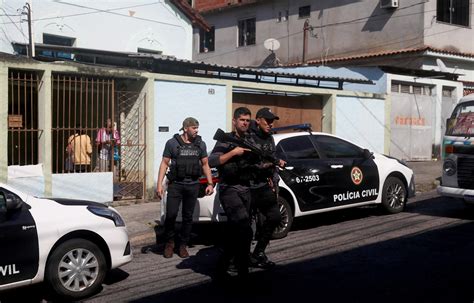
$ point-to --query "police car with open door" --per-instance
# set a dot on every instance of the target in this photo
(326, 173)
(69, 244)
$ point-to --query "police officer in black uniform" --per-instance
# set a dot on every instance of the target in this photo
(264, 187)
(186, 157)
(235, 172)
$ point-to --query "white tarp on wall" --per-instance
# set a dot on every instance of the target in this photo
(412, 119)
(361, 121)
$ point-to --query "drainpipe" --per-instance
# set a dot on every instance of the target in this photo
(305, 39)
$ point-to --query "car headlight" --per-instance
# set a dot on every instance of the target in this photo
(107, 213)
(449, 167)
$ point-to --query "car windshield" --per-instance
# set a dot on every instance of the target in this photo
(461, 122)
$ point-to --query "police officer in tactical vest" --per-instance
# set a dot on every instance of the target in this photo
(264, 187)
(186, 157)
(235, 170)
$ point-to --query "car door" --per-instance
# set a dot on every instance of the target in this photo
(305, 172)
(351, 168)
(19, 251)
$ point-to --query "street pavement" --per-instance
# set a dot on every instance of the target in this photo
(142, 217)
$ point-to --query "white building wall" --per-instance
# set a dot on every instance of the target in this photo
(120, 25)
(174, 101)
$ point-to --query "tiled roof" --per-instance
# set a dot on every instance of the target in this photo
(384, 54)
(209, 6)
(191, 13)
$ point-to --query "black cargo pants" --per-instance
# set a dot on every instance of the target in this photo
(235, 201)
(264, 202)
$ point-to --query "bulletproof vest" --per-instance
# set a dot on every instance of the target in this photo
(266, 144)
(238, 170)
(187, 164)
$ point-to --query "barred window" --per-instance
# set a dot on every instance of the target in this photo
(453, 12)
(247, 32)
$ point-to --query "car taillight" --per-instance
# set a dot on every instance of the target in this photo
(449, 149)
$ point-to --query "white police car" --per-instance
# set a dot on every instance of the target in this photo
(69, 244)
(326, 173)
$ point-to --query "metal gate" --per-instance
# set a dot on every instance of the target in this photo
(131, 116)
(23, 132)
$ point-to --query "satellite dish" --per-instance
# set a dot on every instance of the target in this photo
(271, 44)
(441, 66)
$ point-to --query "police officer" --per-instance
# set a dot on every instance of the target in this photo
(264, 187)
(186, 156)
(234, 195)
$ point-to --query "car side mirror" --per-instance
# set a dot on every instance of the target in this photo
(13, 202)
(367, 154)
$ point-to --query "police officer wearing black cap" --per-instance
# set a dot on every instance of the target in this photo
(264, 187)
(186, 156)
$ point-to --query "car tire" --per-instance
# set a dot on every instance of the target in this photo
(76, 269)
(394, 195)
(286, 219)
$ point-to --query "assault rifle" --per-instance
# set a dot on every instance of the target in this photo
(221, 136)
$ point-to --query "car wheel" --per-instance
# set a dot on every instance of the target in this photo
(394, 195)
(286, 219)
(76, 269)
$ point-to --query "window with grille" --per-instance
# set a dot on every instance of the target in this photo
(247, 32)
(453, 11)
(206, 40)
(304, 11)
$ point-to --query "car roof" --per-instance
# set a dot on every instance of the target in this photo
(279, 137)
(467, 98)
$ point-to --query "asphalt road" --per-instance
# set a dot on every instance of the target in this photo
(421, 255)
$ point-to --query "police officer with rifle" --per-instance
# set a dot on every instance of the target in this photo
(186, 157)
(234, 164)
(264, 186)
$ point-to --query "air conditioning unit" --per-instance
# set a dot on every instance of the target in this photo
(388, 3)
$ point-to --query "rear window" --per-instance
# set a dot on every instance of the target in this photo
(299, 147)
(337, 148)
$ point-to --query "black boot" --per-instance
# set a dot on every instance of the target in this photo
(260, 260)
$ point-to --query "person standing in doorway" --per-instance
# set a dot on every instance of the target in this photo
(80, 148)
(186, 157)
(107, 137)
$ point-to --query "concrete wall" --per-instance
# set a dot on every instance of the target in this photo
(106, 25)
(336, 24)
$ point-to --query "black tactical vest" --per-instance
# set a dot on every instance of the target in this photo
(188, 164)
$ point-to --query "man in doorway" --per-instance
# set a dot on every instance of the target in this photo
(186, 157)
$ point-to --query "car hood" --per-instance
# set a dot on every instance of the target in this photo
(74, 202)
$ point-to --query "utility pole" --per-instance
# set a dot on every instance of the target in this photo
(306, 28)
(31, 45)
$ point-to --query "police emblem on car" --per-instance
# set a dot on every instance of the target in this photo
(356, 175)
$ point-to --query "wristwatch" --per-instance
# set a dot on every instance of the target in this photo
(210, 184)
